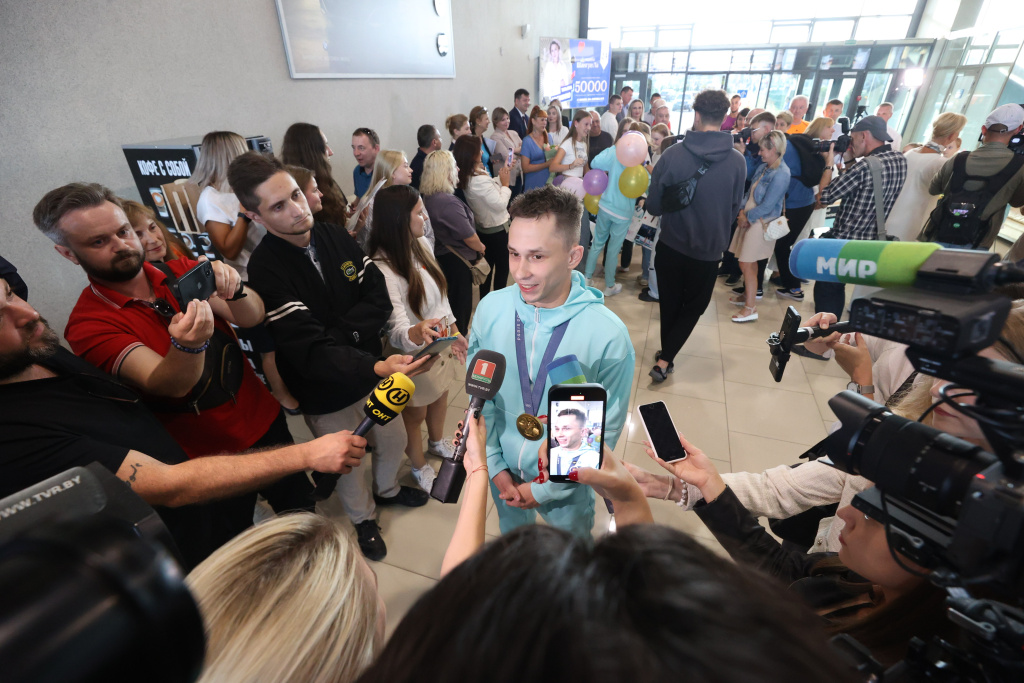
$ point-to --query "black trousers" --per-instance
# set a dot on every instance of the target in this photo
(685, 286)
(797, 220)
(460, 288)
(497, 257)
(730, 264)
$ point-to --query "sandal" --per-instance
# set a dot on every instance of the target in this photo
(744, 317)
(738, 300)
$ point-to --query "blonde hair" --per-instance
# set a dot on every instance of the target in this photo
(440, 173)
(285, 601)
(557, 118)
(388, 161)
(948, 123)
(216, 153)
(775, 140)
(661, 128)
(642, 128)
(624, 125)
(818, 125)
(784, 116)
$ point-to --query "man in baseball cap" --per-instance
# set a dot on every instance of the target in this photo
(1002, 179)
(876, 126)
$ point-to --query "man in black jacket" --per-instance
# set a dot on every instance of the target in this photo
(327, 307)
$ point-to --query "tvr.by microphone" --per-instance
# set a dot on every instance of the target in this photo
(874, 263)
(388, 399)
(483, 380)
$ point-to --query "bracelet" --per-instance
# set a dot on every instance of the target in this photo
(239, 293)
(684, 497)
(828, 168)
(186, 349)
(482, 467)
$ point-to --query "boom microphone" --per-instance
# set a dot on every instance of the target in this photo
(388, 399)
(860, 262)
(483, 380)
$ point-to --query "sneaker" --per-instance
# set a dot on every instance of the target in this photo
(424, 477)
(442, 449)
(732, 280)
(794, 294)
(623, 269)
(659, 375)
(741, 290)
(590, 282)
(744, 317)
(370, 540)
(407, 497)
(613, 290)
(645, 295)
(642, 281)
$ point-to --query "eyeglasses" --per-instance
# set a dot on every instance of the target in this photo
(160, 306)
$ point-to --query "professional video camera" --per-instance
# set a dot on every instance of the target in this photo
(842, 143)
(946, 504)
(743, 137)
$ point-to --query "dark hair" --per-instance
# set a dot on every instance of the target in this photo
(744, 111)
(370, 133)
(56, 204)
(712, 105)
(657, 94)
(302, 175)
(648, 603)
(575, 412)
(625, 89)
(249, 171)
(426, 134)
(551, 201)
(303, 146)
(391, 240)
(614, 98)
(467, 150)
(840, 103)
(520, 93)
(760, 118)
(735, 97)
(474, 114)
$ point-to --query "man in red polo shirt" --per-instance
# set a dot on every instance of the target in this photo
(128, 323)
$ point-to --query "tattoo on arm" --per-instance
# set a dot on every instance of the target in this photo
(135, 470)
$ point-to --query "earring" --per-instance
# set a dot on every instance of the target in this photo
(866, 517)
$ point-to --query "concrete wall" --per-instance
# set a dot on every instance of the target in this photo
(82, 78)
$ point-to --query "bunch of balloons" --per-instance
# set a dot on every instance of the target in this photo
(631, 151)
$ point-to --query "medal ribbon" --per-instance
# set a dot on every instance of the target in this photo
(532, 394)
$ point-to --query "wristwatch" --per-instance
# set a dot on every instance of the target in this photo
(861, 388)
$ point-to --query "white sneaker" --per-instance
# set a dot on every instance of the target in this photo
(612, 291)
(425, 477)
(442, 449)
(622, 269)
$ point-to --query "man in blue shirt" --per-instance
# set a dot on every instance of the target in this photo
(365, 146)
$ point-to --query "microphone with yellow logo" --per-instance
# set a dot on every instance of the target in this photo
(382, 406)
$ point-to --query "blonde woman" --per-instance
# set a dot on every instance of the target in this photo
(556, 131)
(764, 203)
(218, 209)
(914, 203)
(392, 167)
(821, 128)
(291, 601)
(636, 110)
(507, 140)
(783, 120)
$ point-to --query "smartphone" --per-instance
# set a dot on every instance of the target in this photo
(511, 158)
(198, 283)
(576, 414)
(435, 347)
(661, 432)
(787, 335)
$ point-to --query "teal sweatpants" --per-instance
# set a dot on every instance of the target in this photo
(574, 514)
(611, 231)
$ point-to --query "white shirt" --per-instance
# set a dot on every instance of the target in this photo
(435, 305)
(223, 207)
(573, 151)
(897, 139)
(556, 138)
(561, 459)
(488, 200)
(914, 203)
(609, 123)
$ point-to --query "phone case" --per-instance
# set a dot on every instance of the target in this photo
(648, 432)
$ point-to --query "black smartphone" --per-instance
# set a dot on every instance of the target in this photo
(198, 283)
(787, 336)
(576, 414)
(661, 432)
(435, 347)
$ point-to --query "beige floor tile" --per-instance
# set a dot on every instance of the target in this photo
(702, 422)
(409, 547)
(819, 367)
(749, 365)
(695, 377)
(703, 341)
(400, 590)
(824, 388)
(749, 334)
(774, 413)
(757, 453)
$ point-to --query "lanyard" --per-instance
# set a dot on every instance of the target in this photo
(532, 395)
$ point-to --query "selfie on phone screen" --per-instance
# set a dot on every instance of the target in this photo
(576, 434)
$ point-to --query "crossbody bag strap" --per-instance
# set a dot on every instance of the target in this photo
(875, 166)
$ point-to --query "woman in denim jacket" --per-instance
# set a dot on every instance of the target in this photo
(763, 204)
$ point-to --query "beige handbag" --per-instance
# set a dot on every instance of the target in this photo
(480, 270)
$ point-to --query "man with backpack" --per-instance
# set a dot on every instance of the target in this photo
(977, 186)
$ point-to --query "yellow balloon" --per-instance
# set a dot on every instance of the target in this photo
(633, 181)
(591, 202)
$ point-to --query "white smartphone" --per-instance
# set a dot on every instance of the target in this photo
(661, 431)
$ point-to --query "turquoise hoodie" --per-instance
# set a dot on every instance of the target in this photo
(596, 336)
(613, 201)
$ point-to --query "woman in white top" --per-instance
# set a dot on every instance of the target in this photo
(571, 157)
(218, 209)
(488, 198)
(914, 203)
(556, 131)
(420, 313)
(506, 140)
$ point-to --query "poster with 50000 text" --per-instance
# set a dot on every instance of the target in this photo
(575, 72)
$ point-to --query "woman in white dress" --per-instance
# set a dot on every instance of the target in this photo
(571, 157)
(420, 314)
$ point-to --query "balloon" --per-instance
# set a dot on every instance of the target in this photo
(558, 180)
(633, 182)
(631, 150)
(591, 203)
(595, 182)
(574, 185)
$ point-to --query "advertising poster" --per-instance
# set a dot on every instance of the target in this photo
(575, 72)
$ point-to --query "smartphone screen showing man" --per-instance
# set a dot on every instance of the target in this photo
(577, 431)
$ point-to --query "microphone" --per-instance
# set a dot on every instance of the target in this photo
(388, 399)
(483, 380)
(860, 262)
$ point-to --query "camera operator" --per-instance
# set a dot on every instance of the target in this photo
(856, 219)
(58, 412)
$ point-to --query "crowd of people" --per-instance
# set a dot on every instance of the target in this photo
(338, 291)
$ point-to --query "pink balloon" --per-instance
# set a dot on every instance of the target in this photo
(559, 179)
(574, 185)
(595, 182)
(631, 150)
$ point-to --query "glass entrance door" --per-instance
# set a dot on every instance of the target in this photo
(830, 88)
(694, 84)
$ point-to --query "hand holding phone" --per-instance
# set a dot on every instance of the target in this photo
(198, 283)
(576, 416)
(434, 348)
(661, 432)
(511, 158)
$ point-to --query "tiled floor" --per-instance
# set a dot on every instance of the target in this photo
(721, 396)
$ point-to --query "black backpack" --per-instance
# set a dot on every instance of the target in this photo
(811, 163)
(957, 218)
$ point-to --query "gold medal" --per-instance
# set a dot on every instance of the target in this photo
(530, 427)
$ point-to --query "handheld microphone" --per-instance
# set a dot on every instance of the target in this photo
(860, 262)
(483, 380)
(388, 399)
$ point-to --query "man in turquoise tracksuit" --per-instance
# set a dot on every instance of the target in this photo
(544, 248)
